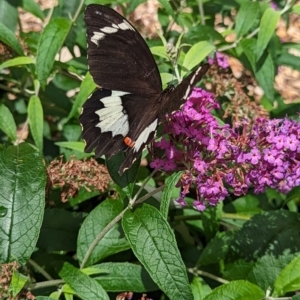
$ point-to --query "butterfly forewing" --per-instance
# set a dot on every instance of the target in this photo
(124, 113)
(118, 57)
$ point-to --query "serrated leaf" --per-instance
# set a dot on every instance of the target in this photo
(153, 243)
(289, 278)
(86, 88)
(246, 17)
(276, 231)
(22, 194)
(237, 290)
(22, 60)
(51, 41)
(9, 38)
(129, 176)
(196, 54)
(167, 193)
(7, 123)
(85, 287)
(33, 7)
(36, 121)
(265, 76)
(267, 28)
(114, 240)
(125, 277)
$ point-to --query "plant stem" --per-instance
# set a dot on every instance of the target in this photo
(44, 284)
(206, 274)
(40, 269)
(100, 236)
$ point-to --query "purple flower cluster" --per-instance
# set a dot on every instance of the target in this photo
(216, 158)
(220, 60)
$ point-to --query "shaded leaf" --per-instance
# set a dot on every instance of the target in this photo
(23, 178)
(7, 123)
(85, 287)
(9, 38)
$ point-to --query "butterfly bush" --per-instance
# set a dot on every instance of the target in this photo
(217, 159)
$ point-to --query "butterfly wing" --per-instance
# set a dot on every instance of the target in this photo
(179, 95)
(118, 57)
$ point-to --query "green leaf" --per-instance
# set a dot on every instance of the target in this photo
(7, 123)
(290, 60)
(216, 250)
(124, 276)
(296, 9)
(249, 48)
(166, 5)
(129, 176)
(237, 290)
(44, 298)
(196, 54)
(267, 28)
(114, 240)
(78, 146)
(159, 51)
(134, 4)
(200, 288)
(17, 283)
(265, 76)
(246, 17)
(34, 8)
(276, 231)
(153, 243)
(9, 38)
(289, 278)
(22, 194)
(211, 221)
(85, 287)
(51, 41)
(36, 121)
(22, 60)
(167, 193)
(86, 88)
(9, 14)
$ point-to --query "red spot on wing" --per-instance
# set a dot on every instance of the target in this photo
(129, 142)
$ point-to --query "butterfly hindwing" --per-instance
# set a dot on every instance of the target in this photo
(118, 57)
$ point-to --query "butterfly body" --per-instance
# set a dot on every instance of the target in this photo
(124, 113)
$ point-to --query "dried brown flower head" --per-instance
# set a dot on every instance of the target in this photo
(74, 174)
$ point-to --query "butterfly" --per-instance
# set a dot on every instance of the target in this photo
(124, 112)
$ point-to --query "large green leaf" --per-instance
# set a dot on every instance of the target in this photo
(265, 76)
(85, 287)
(51, 41)
(289, 279)
(9, 14)
(22, 60)
(196, 54)
(9, 38)
(125, 277)
(114, 240)
(236, 290)
(22, 195)
(267, 28)
(246, 17)
(153, 243)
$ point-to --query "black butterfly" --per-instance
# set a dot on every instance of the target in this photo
(124, 113)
